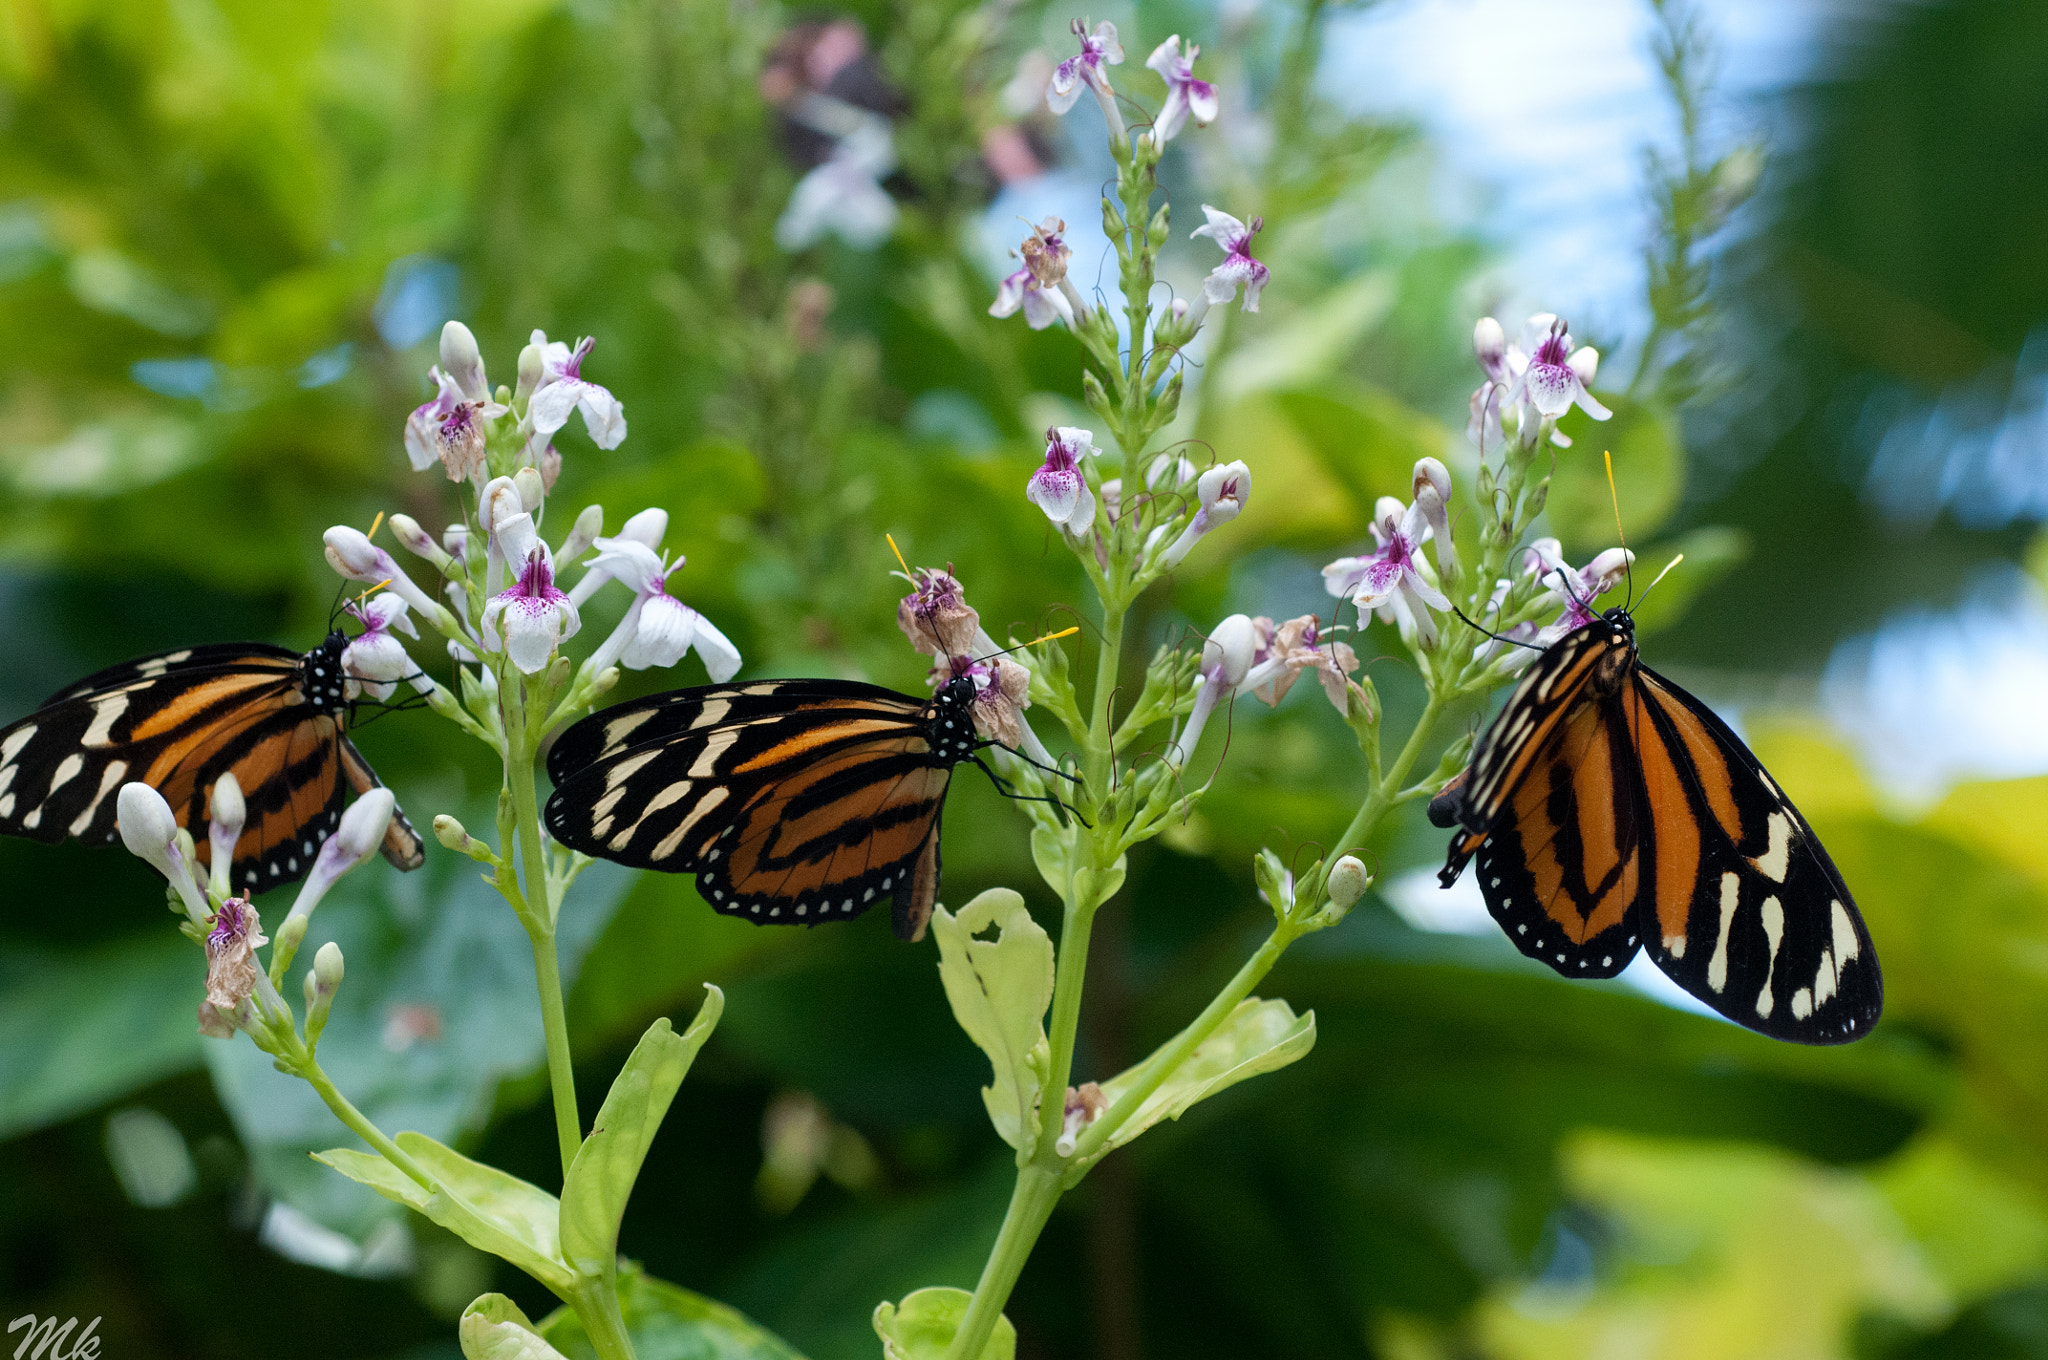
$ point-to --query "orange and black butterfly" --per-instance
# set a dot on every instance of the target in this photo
(793, 801)
(1609, 811)
(178, 721)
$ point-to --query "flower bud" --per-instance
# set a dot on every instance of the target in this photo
(650, 526)
(455, 540)
(1348, 881)
(1489, 345)
(499, 502)
(550, 466)
(228, 814)
(290, 936)
(589, 524)
(532, 367)
(451, 834)
(419, 542)
(1223, 492)
(1228, 652)
(527, 482)
(323, 980)
(461, 361)
(327, 967)
(361, 831)
(150, 831)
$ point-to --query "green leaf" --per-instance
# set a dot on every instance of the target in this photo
(1258, 1036)
(1649, 475)
(1049, 852)
(601, 1179)
(667, 1322)
(80, 1029)
(999, 990)
(485, 1207)
(923, 1327)
(493, 1328)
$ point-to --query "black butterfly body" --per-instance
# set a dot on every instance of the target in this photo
(1609, 811)
(792, 801)
(177, 722)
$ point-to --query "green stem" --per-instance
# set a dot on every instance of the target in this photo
(1031, 1204)
(597, 1307)
(539, 919)
(344, 1110)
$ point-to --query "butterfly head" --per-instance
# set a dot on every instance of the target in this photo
(1620, 623)
(951, 731)
(320, 675)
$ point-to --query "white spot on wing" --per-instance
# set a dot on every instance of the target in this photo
(11, 747)
(105, 714)
(714, 713)
(1773, 916)
(68, 769)
(710, 800)
(1776, 861)
(714, 746)
(109, 777)
(1717, 967)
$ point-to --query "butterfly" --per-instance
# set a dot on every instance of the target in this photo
(792, 801)
(177, 722)
(1609, 811)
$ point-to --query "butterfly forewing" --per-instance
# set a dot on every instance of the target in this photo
(1608, 809)
(1763, 929)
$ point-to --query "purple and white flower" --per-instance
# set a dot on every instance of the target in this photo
(1238, 266)
(1221, 493)
(1576, 589)
(1059, 487)
(375, 660)
(531, 617)
(1389, 580)
(563, 389)
(659, 628)
(1186, 96)
(1098, 49)
(1226, 660)
(233, 974)
(648, 527)
(448, 429)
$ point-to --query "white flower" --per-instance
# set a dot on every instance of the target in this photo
(563, 390)
(375, 660)
(532, 615)
(1388, 580)
(1226, 660)
(1576, 589)
(1098, 49)
(1544, 377)
(844, 195)
(648, 527)
(447, 428)
(358, 836)
(659, 628)
(1222, 492)
(1185, 95)
(351, 554)
(1059, 487)
(1238, 266)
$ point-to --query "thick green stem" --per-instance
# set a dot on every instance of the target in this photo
(1031, 1205)
(597, 1307)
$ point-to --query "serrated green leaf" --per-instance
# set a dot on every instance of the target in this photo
(999, 990)
(922, 1327)
(1258, 1036)
(601, 1179)
(485, 1207)
(493, 1328)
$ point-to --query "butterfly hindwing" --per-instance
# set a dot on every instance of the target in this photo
(1768, 934)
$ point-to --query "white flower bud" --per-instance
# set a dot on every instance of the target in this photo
(461, 361)
(1228, 652)
(150, 831)
(1348, 881)
(455, 540)
(323, 980)
(527, 482)
(451, 834)
(361, 831)
(1489, 344)
(327, 967)
(582, 534)
(228, 813)
(532, 368)
(650, 526)
(1584, 361)
(419, 542)
(1223, 492)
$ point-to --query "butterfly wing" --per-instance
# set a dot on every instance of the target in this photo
(1751, 915)
(177, 722)
(793, 801)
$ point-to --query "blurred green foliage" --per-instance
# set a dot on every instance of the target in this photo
(227, 233)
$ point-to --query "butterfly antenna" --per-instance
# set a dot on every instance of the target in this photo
(1661, 575)
(1497, 637)
(938, 645)
(1627, 557)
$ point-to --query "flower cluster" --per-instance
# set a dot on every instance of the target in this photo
(1256, 656)
(504, 597)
